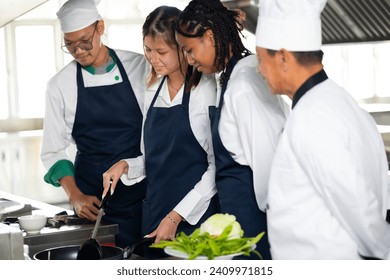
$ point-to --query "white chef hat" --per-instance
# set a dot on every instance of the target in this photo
(294, 25)
(75, 15)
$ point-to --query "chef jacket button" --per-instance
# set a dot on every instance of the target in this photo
(90, 82)
(116, 78)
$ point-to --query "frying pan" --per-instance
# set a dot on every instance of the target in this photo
(70, 252)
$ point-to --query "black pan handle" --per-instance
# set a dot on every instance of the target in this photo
(128, 251)
(106, 198)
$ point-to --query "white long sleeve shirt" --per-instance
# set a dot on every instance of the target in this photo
(61, 101)
(328, 187)
(196, 202)
(251, 122)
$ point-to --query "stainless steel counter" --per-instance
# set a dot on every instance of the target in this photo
(51, 237)
(69, 235)
(32, 206)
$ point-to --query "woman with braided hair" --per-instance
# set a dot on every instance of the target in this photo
(248, 119)
(178, 158)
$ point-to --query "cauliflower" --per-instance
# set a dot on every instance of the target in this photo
(215, 225)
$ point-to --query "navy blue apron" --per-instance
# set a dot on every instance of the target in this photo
(107, 128)
(235, 187)
(174, 162)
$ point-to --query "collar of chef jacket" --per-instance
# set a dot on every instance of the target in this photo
(306, 86)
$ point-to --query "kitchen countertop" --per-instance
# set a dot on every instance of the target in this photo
(65, 235)
(74, 233)
(37, 207)
(69, 235)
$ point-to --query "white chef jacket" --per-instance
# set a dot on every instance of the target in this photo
(251, 122)
(195, 203)
(328, 187)
(61, 101)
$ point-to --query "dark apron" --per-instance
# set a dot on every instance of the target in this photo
(235, 187)
(107, 128)
(175, 162)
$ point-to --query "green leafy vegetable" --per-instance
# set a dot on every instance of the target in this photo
(202, 243)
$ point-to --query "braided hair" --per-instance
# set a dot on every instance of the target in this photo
(226, 25)
(160, 22)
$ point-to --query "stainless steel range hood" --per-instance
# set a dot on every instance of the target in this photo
(343, 21)
(11, 9)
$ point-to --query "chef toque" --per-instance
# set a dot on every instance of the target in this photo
(294, 25)
(75, 15)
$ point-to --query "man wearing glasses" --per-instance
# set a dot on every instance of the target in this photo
(95, 102)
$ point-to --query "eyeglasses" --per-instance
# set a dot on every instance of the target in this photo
(85, 45)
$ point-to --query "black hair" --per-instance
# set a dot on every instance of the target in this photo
(306, 58)
(160, 22)
(309, 58)
(226, 25)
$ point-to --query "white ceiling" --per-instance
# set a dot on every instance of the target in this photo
(11, 9)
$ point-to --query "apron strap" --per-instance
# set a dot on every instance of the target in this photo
(122, 70)
(125, 78)
(157, 92)
(186, 94)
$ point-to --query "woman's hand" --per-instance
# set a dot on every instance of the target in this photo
(114, 174)
(167, 228)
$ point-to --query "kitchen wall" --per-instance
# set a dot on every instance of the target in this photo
(22, 172)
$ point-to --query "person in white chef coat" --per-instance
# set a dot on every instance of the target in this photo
(328, 190)
(96, 103)
(178, 157)
(247, 119)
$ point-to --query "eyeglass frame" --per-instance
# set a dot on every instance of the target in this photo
(76, 45)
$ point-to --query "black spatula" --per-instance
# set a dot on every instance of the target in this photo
(91, 249)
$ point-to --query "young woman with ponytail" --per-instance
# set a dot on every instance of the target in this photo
(247, 119)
